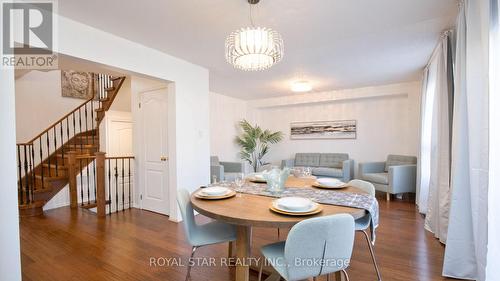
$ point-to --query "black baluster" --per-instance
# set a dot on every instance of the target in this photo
(95, 180)
(81, 180)
(74, 125)
(62, 140)
(55, 149)
(48, 151)
(20, 174)
(80, 122)
(88, 179)
(29, 193)
(67, 129)
(86, 124)
(123, 184)
(116, 183)
(33, 171)
(92, 117)
(109, 183)
(129, 186)
(41, 160)
(26, 177)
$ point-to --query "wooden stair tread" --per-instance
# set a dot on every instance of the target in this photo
(82, 145)
(116, 78)
(93, 205)
(54, 166)
(51, 177)
(77, 155)
(109, 89)
(35, 204)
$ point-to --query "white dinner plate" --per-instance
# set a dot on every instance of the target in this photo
(215, 191)
(314, 206)
(294, 204)
(329, 182)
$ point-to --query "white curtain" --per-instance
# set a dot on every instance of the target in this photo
(493, 268)
(424, 163)
(466, 245)
(440, 94)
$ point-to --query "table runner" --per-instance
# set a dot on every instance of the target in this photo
(322, 196)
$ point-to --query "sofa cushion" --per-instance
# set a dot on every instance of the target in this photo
(398, 160)
(332, 160)
(307, 159)
(328, 172)
(380, 178)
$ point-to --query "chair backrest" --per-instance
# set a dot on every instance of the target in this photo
(333, 160)
(398, 160)
(363, 185)
(319, 246)
(307, 159)
(184, 201)
(214, 161)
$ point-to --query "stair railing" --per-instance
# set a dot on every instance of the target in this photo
(52, 144)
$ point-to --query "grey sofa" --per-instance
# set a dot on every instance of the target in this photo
(224, 170)
(396, 175)
(333, 165)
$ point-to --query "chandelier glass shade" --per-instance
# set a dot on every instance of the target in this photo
(254, 48)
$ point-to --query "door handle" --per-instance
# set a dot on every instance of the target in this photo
(163, 158)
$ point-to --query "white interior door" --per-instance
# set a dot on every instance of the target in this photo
(153, 110)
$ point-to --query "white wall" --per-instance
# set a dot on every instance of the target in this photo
(225, 113)
(10, 258)
(189, 150)
(387, 119)
(39, 103)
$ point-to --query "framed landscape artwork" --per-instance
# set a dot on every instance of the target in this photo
(342, 129)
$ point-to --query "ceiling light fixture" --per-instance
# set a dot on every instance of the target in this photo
(254, 48)
(301, 86)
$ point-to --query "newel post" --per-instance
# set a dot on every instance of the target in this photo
(100, 158)
(72, 173)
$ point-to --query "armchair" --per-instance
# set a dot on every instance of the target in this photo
(396, 175)
(224, 170)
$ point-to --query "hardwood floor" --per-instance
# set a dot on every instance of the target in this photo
(76, 245)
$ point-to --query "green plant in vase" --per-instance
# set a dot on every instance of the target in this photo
(255, 142)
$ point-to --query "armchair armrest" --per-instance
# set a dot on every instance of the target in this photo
(402, 178)
(371, 167)
(348, 170)
(232, 167)
(289, 163)
(217, 171)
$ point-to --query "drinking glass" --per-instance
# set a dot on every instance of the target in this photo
(239, 180)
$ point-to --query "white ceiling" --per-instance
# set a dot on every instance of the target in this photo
(335, 44)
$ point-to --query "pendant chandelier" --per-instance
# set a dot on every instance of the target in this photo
(254, 48)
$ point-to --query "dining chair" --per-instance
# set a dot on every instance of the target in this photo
(363, 224)
(202, 235)
(314, 247)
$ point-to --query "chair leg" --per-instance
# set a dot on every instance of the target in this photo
(388, 196)
(260, 269)
(278, 233)
(345, 274)
(188, 275)
(370, 246)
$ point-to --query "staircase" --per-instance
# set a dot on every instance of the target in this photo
(42, 163)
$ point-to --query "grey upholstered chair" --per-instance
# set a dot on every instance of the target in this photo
(202, 235)
(314, 247)
(396, 175)
(224, 170)
(363, 224)
(333, 165)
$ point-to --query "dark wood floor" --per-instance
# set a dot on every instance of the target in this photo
(65, 245)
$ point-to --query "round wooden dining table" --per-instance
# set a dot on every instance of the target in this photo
(247, 211)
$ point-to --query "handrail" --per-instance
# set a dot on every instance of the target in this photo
(60, 120)
(121, 157)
